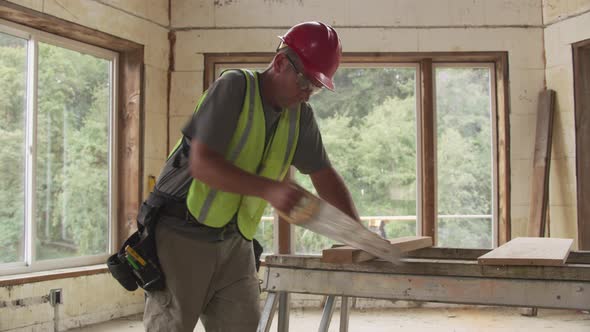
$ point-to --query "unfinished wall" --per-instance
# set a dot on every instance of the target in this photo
(96, 298)
(379, 26)
(567, 22)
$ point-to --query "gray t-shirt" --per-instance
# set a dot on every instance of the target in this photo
(214, 125)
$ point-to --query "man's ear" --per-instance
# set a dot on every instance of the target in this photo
(279, 62)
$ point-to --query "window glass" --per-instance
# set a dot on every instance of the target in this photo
(72, 192)
(464, 157)
(13, 87)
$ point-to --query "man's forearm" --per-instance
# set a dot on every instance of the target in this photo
(211, 168)
(331, 187)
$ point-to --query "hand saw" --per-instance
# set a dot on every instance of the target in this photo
(319, 216)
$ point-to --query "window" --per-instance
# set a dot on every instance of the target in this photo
(375, 128)
(465, 168)
(57, 151)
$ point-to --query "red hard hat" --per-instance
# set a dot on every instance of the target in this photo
(319, 49)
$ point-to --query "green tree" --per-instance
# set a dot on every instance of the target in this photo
(13, 78)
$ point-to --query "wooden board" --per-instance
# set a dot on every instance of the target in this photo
(529, 251)
(541, 164)
(582, 117)
(350, 255)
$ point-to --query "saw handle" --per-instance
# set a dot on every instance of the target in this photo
(304, 210)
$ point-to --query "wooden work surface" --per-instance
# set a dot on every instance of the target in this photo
(460, 262)
(529, 251)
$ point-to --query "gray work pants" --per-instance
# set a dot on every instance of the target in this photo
(212, 280)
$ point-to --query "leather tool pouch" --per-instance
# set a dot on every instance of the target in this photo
(136, 263)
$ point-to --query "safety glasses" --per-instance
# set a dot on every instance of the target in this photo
(303, 82)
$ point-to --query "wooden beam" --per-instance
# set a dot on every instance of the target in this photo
(130, 154)
(350, 255)
(541, 165)
(432, 288)
(503, 135)
(412, 266)
(428, 152)
(581, 52)
(41, 21)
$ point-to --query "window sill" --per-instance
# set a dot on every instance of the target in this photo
(25, 278)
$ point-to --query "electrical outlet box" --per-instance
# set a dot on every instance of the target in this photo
(55, 296)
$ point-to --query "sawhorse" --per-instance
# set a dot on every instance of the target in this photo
(281, 299)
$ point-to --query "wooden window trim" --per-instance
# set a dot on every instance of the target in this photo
(426, 60)
(75, 272)
(581, 70)
(130, 110)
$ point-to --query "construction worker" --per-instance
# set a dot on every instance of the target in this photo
(233, 158)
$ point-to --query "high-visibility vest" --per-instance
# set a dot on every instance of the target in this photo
(247, 150)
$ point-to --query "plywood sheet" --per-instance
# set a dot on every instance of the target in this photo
(529, 251)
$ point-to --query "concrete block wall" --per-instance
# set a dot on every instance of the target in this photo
(516, 26)
(96, 298)
(86, 300)
(566, 22)
(537, 35)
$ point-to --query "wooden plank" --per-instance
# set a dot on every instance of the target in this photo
(350, 255)
(541, 165)
(345, 255)
(582, 120)
(410, 243)
(529, 251)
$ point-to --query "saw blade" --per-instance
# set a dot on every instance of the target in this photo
(322, 218)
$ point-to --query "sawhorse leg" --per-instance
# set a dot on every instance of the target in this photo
(284, 310)
(329, 311)
(280, 299)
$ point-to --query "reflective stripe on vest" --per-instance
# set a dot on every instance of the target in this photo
(247, 151)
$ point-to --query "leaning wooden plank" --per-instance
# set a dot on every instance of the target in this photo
(529, 251)
(542, 160)
(350, 255)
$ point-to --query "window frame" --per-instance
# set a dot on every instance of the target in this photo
(581, 73)
(129, 116)
(426, 62)
(33, 38)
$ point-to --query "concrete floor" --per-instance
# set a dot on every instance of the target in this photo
(452, 319)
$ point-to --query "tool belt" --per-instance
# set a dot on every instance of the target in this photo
(136, 264)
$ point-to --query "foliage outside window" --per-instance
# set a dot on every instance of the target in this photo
(464, 157)
(58, 98)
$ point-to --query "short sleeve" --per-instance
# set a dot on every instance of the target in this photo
(310, 154)
(217, 118)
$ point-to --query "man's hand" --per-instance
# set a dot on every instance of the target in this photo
(283, 196)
